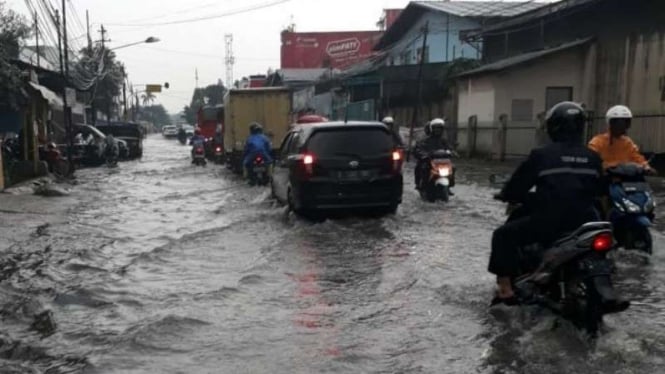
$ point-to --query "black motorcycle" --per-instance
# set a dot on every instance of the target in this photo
(182, 138)
(571, 276)
(259, 173)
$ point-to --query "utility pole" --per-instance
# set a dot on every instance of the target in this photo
(124, 98)
(230, 60)
(37, 38)
(67, 115)
(87, 28)
(420, 88)
(102, 31)
(196, 77)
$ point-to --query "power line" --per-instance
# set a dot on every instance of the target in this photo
(206, 18)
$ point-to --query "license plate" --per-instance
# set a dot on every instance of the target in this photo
(356, 174)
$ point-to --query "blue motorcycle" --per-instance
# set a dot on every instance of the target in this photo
(633, 205)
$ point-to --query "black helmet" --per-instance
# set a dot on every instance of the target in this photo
(255, 128)
(565, 122)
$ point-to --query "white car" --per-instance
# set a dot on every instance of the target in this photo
(170, 131)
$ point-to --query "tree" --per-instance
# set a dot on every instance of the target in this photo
(148, 98)
(13, 30)
(109, 74)
(211, 95)
(156, 114)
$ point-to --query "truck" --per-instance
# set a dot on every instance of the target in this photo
(269, 106)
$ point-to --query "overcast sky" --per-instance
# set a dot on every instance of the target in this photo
(187, 47)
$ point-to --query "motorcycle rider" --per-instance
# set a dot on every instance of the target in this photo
(112, 149)
(394, 129)
(614, 146)
(257, 144)
(567, 176)
(196, 141)
(434, 141)
(182, 135)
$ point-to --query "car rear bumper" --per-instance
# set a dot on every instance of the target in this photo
(326, 194)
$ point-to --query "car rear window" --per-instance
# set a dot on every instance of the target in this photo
(360, 142)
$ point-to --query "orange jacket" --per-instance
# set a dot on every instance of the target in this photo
(620, 150)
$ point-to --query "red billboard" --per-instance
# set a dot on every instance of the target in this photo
(337, 50)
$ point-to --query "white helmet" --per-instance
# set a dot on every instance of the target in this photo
(437, 122)
(388, 120)
(618, 111)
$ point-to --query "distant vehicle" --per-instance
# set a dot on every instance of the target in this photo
(170, 131)
(336, 165)
(189, 129)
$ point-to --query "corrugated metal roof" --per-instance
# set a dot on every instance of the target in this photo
(482, 8)
(520, 59)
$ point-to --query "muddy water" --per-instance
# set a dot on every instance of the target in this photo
(161, 267)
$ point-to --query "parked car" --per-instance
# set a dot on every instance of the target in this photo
(336, 165)
(129, 132)
(170, 131)
(89, 145)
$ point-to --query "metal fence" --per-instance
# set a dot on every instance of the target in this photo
(499, 140)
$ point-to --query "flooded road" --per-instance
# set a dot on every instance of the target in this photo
(161, 267)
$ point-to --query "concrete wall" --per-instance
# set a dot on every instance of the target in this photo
(490, 96)
(476, 97)
(444, 32)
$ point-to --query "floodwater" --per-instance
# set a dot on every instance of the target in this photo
(158, 266)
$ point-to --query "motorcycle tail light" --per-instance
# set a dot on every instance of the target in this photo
(218, 149)
(199, 150)
(603, 242)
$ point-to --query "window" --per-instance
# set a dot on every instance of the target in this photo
(522, 110)
(284, 149)
(358, 142)
(295, 143)
(555, 95)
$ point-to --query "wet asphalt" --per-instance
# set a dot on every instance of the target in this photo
(158, 266)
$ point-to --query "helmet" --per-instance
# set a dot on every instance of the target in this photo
(619, 117)
(255, 128)
(435, 127)
(388, 120)
(51, 145)
(565, 122)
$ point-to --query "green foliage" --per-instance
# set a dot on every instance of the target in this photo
(212, 94)
(13, 30)
(101, 62)
(156, 114)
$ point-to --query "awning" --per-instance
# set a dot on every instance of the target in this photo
(53, 99)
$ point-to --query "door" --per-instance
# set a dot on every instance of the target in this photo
(280, 177)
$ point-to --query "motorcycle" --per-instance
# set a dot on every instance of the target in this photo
(441, 172)
(182, 138)
(198, 156)
(571, 276)
(632, 207)
(259, 172)
(219, 154)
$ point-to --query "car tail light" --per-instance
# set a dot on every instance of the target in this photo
(603, 242)
(397, 161)
(308, 162)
